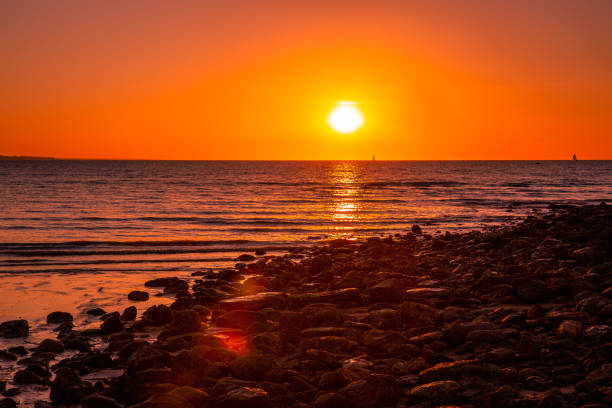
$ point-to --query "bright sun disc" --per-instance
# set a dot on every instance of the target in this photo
(346, 117)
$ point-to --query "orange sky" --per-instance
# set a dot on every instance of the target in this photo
(231, 79)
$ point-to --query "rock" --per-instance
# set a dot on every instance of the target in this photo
(245, 397)
(600, 333)
(251, 366)
(570, 328)
(254, 302)
(180, 397)
(8, 403)
(418, 314)
(157, 315)
(330, 400)
(129, 314)
(245, 258)
(500, 396)
(490, 336)
(14, 328)
(416, 229)
(170, 285)
(342, 297)
(598, 377)
(454, 370)
(67, 387)
(112, 324)
(330, 344)
(96, 312)
(7, 355)
(438, 392)
(194, 396)
(322, 315)
(387, 291)
(98, 401)
(186, 321)
(375, 390)
(143, 356)
(51, 346)
(427, 293)
(27, 376)
(552, 399)
(320, 263)
(183, 302)
(138, 296)
(240, 319)
(19, 350)
(382, 340)
(153, 376)
(59, 317)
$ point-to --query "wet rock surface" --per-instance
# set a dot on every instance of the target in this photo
(517, 316)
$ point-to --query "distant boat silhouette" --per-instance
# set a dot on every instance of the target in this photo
(373, 157)
(574, 157)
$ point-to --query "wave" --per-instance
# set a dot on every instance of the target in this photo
(418, 184)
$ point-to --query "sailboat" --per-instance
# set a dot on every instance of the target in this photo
(373, 157)
(574, 157)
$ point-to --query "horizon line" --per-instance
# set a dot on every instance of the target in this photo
(50, 158)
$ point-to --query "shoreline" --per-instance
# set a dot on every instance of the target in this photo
(514, 316)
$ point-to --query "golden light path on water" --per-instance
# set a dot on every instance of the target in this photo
(345, 206)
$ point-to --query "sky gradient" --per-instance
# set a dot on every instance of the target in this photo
(231, 79)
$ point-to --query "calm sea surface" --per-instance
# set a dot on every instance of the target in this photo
(68, 216)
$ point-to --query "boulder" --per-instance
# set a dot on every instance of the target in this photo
(245, 397)
(245, 258)
(8, 403)
(129, 313)
(375, 390)
(254, 302)
(59, 317)
(344, 297)
(157, 315)
(570, 328)
(96, 312)
(330, 400)
(67, 387)
(27, 376)
(170, 285)
(143, 356)
(51, 346)
(252, 366)
(138, 296)
(427, 293)
(387, 291)
(240, 319)
(322, 315)
(14, 328)
(112, 324)
(438, 392)
(454, 370)
(99, 401)
(186, 321)
(418, 314)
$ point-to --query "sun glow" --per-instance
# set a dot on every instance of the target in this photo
(345, 118)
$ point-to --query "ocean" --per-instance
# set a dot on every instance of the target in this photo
(68, 216)
(77, 234)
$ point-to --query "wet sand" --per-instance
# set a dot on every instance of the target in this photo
(517, 316)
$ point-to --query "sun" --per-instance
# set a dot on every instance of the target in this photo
(345, 118)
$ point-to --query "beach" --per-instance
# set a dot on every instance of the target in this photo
(511, 316)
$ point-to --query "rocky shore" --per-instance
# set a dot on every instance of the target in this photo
(516, 316)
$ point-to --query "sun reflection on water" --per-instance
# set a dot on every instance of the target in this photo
(344, 208)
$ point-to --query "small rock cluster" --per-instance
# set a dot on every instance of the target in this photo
(517, 316)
